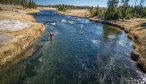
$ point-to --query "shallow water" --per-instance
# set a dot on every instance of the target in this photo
(82, 52)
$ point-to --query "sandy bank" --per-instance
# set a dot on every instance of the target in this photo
(76, 12)
(46, 8)
(18, 31)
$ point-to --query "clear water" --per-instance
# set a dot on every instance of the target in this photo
(82, 52)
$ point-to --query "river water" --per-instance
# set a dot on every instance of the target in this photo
(81, 52)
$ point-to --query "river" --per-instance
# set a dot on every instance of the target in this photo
(81, 52)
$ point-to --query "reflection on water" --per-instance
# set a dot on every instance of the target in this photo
(109, 31)
(99, 55)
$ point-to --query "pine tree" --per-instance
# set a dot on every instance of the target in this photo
(141, 2)
(33, 4)
(111, 12)
(125, 9)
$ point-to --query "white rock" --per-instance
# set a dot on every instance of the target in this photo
(13, 25)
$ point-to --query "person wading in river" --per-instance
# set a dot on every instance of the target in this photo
(51, 35)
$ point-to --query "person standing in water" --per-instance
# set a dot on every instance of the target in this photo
(51, 35)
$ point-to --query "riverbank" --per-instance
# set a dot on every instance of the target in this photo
(135, 28)
(18, 31)
(83, 13)
(136, 31)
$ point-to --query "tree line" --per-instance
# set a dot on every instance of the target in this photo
(97, 11)
(24, 3)
(123, 10)
(116, 9)
(63, 7)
